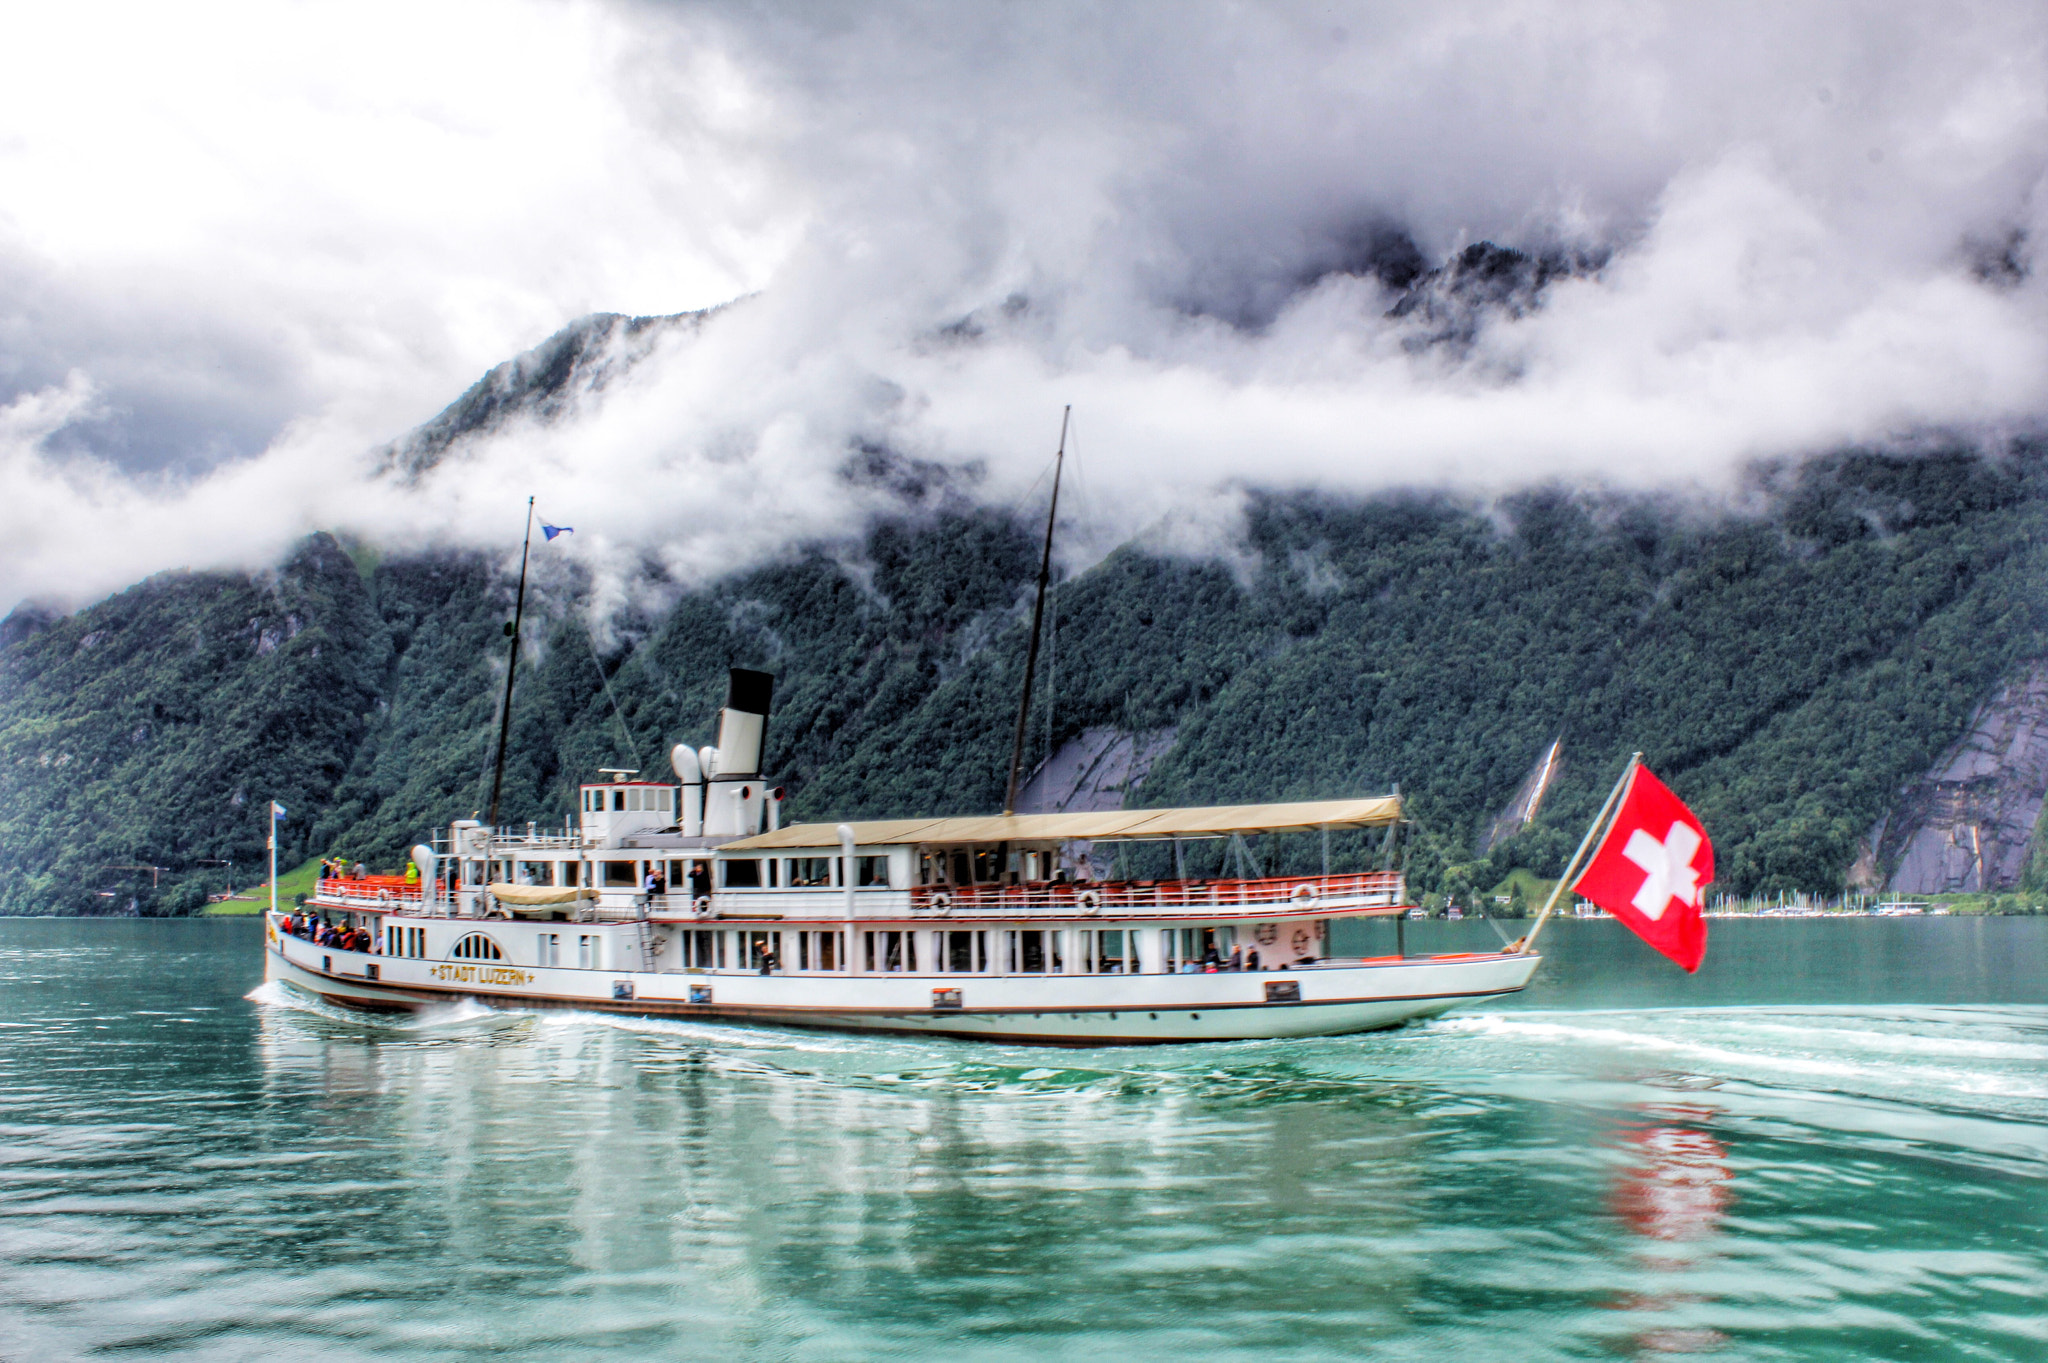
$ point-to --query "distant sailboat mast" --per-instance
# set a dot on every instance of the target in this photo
(1037, 621)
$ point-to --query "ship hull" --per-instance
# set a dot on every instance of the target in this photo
(1321, 1000)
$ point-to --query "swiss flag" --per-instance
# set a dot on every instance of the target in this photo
(1653, 869)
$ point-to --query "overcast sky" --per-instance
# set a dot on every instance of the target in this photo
(243, 247)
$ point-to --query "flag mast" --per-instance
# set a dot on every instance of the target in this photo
(1037, 619)
(1572, 867)
(511, 666)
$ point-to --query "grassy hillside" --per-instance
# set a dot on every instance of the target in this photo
(1787, 671)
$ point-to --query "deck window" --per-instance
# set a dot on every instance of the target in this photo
(547, 949)
(760, 946)
(740, 873)
(586, 952)
(891, 951)
(966, 952)
(1186, 949)
(476, 947)
(703, 950)
(1108, 951)
(817, 951)
(1034, 951)
(622, 874)
(811, 871)
(871, 872)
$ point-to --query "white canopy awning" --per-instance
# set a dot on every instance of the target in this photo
(1201, 821)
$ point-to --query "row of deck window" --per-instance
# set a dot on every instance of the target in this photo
(975, 951)
(952, 951)
(630, 799)
(960, 866)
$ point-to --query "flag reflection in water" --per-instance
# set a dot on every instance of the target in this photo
(1673, 1191)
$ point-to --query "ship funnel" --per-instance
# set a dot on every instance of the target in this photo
(743, 722)
(690, 772)
(733, 799)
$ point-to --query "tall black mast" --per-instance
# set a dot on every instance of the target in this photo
(1037, 620)
(511, 666)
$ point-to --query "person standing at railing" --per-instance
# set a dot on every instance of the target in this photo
(412, 877)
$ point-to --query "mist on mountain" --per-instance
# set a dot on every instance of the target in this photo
(1455, 248)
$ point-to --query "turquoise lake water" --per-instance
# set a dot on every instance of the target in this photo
(1832, 1144)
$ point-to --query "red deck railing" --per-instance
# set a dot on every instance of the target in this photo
(377, 888)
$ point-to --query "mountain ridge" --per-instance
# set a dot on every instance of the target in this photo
(1800, 671)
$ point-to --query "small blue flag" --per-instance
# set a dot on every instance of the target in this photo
(276, 810)
(553, 530)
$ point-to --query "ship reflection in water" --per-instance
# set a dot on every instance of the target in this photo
(721, 1180)
(1673, 1191)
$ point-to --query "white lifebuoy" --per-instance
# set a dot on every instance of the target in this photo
(701, 905)
(383, 896)
(1090, 901)
(1304, 895)
(940, 902)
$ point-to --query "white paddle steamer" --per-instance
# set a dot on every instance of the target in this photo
(983, 927)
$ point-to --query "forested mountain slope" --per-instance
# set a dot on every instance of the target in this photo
(1790, 671)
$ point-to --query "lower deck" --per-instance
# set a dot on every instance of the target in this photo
(1325, 998)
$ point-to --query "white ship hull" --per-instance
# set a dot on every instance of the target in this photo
(1334, 998)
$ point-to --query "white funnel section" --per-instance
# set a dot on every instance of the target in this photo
(424, 858)
(733, 807)
(739, 742)
(742, 722)
(691, 773)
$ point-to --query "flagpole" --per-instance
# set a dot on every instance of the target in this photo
(1572, 867)
(272, 811)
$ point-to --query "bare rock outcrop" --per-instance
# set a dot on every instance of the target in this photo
(1968, 824)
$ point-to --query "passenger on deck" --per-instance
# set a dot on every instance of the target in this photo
(1251, 959)
(412, 875)
(1236, 959)
(700, 880)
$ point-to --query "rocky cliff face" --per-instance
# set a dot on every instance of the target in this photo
(1968, 825)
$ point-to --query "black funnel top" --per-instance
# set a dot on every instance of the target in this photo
(749, 692)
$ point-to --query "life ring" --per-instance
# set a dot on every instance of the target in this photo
(701, 905)
(1304, 895)
(1302, 941)
(1090, 901)
(940, 903)
(1267, 933)
(383, 896)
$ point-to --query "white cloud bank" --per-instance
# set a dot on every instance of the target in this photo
(312, 225)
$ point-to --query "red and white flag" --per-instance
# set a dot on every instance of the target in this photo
(1653, 869)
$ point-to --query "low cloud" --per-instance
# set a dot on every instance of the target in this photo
(1785, 230)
